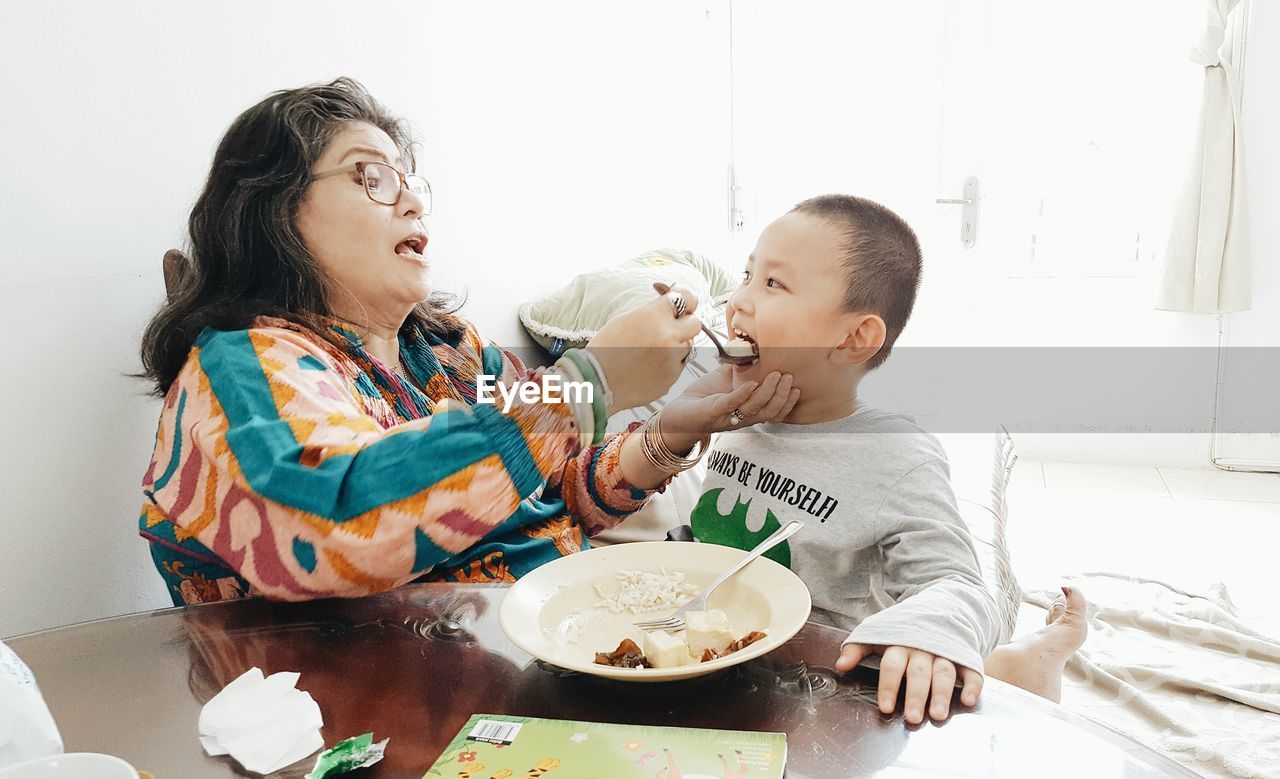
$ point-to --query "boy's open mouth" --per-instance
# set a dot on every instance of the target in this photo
(742, 345)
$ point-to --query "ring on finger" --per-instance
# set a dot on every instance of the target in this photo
(678, 305)
(737, 417)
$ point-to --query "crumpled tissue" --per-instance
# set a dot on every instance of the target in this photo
(264, 723)
(27, 730)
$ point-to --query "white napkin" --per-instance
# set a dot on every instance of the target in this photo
(27, 730)
(265, 724)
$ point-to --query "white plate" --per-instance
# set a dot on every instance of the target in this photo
(76, 765)
(553, 613)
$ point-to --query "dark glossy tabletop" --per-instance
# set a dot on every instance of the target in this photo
(415, 663)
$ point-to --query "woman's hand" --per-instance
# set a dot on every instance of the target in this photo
(707, 405)
(642, 351)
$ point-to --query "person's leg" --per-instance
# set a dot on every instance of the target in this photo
(1035, 662)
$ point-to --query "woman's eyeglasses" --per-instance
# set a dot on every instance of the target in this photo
(383, 183)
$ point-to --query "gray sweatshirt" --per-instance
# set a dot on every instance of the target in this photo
(884, 551)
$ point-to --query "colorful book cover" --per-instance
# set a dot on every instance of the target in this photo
(494, 746)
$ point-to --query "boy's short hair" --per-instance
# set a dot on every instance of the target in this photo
(882, 261)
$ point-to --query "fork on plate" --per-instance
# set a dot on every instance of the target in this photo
(676, 620)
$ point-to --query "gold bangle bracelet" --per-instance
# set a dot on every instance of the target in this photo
(656, 452)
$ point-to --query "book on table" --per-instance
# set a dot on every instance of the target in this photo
(497, 746)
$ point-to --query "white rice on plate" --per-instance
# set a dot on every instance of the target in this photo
(640, 592)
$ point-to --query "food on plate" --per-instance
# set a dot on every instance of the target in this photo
(627, 655)
(742, 643)
(707, 630)
(707, 636)
(663, 650)
(640, 592)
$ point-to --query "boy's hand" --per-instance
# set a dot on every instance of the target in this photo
(923, 672)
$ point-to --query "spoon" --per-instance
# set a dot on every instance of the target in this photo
(723, 355)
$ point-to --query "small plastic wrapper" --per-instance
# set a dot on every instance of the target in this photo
(348, 755)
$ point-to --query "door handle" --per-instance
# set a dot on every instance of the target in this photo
(735, 213)
(969, 214)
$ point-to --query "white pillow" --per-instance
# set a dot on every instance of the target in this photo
(572, 315)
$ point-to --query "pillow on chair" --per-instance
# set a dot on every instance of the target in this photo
(572, 315)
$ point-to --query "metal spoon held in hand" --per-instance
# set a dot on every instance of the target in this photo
(676, 620)
(723, 356)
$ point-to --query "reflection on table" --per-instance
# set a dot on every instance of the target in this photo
(415, 663)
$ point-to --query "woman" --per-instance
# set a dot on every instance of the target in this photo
(321, 433)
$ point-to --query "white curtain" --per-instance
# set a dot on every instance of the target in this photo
(1206, 263)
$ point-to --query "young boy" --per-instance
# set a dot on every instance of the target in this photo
(884, 551)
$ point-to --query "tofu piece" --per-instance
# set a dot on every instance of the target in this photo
(707, 630)
(664, 650)
(740, 347)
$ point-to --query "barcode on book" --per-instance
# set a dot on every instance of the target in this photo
(493, 732)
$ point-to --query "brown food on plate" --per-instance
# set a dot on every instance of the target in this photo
(745, 641)
(627, 655)
(742, 643)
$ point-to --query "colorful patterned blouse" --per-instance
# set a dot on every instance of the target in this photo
(296, 467)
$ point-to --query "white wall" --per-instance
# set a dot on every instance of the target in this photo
(1259, 327)
(1260, 121)
(558, 137)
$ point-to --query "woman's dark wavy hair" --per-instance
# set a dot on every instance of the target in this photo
(247, 258)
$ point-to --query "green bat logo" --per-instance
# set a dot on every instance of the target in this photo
(731, 530)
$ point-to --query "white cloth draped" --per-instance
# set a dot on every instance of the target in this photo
(1206, 262)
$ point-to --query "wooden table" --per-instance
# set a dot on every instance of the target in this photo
(415, 663)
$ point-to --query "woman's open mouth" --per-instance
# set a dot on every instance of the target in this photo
(413, 246)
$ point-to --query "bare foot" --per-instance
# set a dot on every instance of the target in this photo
(1035, 662)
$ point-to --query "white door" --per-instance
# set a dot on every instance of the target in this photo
(870, 99)
(1074, 119)
(863, 98)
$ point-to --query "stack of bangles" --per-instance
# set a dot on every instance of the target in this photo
(656, 452)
